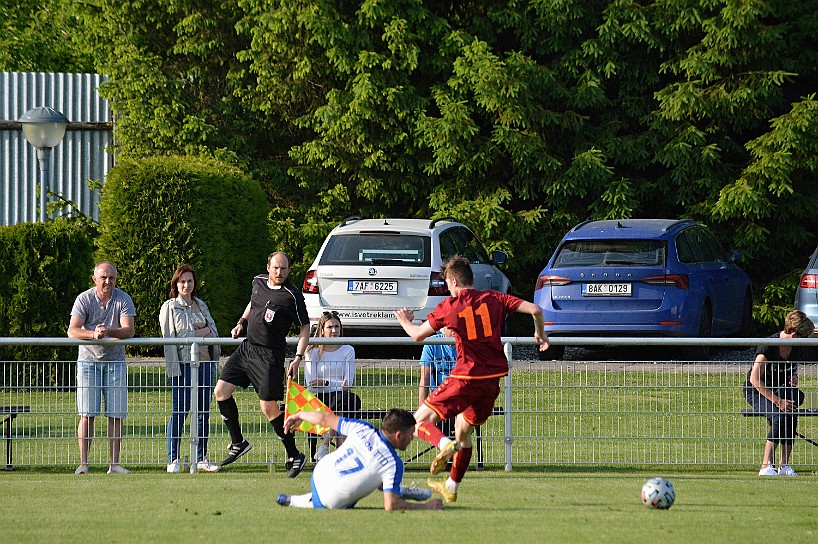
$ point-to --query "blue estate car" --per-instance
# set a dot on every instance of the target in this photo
(643, 277)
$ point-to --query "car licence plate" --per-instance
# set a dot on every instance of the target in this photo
(373, 287)
(606, 289)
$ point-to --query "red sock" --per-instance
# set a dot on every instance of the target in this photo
(460, 464)
(426, 430)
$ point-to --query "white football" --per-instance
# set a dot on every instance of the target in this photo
(658, 493)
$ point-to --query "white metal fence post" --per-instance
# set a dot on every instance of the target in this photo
(509, 434)
(194, 406)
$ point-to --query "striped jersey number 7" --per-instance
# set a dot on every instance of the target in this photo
(482, 312)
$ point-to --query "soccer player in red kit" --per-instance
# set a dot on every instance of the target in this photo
(477, 318)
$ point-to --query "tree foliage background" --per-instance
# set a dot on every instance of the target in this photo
(519, 117)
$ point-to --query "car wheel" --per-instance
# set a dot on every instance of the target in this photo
(702, 353)
(553, 353)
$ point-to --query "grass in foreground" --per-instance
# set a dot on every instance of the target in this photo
(494, 506)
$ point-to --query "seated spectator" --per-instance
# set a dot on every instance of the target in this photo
(330, 374)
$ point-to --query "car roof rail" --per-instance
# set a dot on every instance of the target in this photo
(350, 219)
(681, 222)
(671, 224)
(441, 219)
(579, 226)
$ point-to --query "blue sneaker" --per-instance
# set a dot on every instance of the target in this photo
(283, 500)
(415, 493)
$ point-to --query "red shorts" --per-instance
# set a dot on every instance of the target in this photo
(472, 398)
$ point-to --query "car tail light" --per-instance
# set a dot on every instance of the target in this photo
(311, 283)
(437, 286)
(680, 281)
(544, 280)
(809, 281)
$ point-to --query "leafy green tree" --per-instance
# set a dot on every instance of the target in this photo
(169, 65)
(520, 117)
(37, 36)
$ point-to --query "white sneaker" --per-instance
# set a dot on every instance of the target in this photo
(82, 469)
(118, 469)
(786, 470)
(206, 466)
(173, 468)
(321, 452)
(769, 471)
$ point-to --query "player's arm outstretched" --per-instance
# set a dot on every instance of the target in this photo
(393, 501)
(539, 325)
(417, 332)
(316, 418)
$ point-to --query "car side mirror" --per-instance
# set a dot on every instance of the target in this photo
(499, 257)
(733, 256)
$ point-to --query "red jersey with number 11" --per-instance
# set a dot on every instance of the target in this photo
(477, 318)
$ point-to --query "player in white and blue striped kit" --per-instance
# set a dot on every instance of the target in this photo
(367, 461)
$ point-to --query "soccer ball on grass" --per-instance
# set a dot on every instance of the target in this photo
(658, 493)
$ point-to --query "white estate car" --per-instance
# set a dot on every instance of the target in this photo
(368, 268)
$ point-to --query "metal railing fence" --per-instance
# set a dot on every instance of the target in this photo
(646, 412)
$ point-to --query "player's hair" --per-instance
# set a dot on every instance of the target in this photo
(398, 420)
(458, 267)
(797, 321)
(286, 256)
(177, 274)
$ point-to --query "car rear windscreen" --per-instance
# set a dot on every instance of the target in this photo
(377, 249)
(611, 253)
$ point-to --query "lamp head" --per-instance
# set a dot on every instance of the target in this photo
(43, 127)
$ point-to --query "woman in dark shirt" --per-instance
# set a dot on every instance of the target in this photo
(772, 389)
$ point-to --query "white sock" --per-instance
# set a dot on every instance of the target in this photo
(451, 485)
(301, 501)
(443, 441)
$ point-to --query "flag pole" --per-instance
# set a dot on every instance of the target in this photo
(287, 397)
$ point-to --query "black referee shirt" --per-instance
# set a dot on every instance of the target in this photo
(273, 311)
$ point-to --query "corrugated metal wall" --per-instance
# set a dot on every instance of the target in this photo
(79, 157)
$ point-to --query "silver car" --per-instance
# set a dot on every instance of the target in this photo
(368, 268)
(806, 296)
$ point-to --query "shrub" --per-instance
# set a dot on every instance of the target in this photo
(42, 269)
(158, 213)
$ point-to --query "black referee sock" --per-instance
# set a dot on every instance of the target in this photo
(288, 439)
(230, 415)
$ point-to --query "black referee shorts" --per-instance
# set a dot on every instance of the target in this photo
(259, 366)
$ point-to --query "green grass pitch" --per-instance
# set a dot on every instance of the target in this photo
(550, 504)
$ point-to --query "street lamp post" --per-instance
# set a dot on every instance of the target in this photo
(43, 128)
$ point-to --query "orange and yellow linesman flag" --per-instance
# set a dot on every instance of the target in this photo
(301, 400)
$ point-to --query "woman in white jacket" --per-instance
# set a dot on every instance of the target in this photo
(330, 374)
(184, 316)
